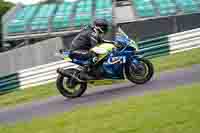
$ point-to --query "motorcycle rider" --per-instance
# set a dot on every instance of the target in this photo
(88, 38)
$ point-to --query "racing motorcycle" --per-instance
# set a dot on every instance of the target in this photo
(116, 60)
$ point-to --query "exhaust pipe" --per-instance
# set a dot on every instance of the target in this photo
(63, 72)
(68, 74)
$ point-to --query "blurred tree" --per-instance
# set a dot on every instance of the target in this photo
(4, 7)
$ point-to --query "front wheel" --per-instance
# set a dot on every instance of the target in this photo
(70, 87)
(139, 73)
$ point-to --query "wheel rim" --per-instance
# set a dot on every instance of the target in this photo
(71, 88)
(141, 72)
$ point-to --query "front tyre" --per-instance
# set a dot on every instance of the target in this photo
(69, 87)
(139, 73)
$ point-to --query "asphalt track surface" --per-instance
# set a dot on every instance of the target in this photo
(103, 94)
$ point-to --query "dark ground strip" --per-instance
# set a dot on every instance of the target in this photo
(58, 104)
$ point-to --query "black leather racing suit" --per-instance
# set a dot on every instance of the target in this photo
(83, 42)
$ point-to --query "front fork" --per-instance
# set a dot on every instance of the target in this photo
(135, 63)
(135, 60)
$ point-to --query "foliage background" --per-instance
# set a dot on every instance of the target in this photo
(4, 7)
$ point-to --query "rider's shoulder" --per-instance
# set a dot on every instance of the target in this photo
(90, 31)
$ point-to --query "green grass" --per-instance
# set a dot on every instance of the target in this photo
(27, 95)
(174, 111)
(179, 60)
(170, 62)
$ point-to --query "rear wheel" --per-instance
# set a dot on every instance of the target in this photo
(69, 87)
(140, 73)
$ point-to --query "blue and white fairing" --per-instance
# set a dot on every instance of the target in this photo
(114, 65)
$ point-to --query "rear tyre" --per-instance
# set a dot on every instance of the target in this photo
(70, 87)
(140, 73)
